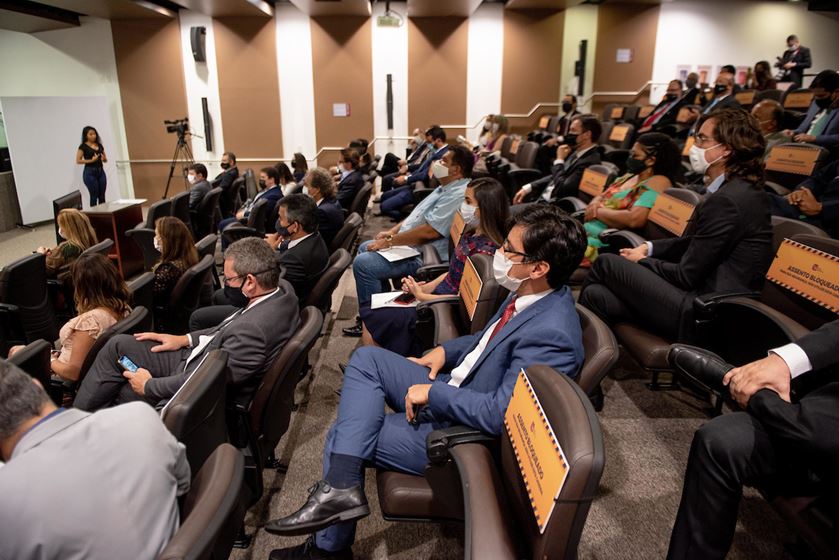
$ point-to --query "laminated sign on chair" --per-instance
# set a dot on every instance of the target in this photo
(808, 272)
(542, 463)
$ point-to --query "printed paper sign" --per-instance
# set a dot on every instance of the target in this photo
(789, 158)
(671, 213)
(470, 288)
(457, 227)
(592, 182)
(542, 463)
(619, 133)
(808, 272)
(798, 100)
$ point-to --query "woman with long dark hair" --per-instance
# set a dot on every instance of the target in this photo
(485, 211)
(177, 253)
(91, 154)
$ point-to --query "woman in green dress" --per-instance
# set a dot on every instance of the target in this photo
(653, 165)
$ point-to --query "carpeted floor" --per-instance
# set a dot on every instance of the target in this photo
(647, 438)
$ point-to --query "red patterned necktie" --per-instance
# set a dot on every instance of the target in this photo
(505, 317)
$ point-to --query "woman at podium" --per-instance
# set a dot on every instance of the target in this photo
(91, 154)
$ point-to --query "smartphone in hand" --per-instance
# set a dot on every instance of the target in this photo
(126, 364)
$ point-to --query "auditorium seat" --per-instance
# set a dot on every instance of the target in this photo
(773, 94)
(159, 209)
(630, 114)
(522, 170)
(196, 414)
(142, 293)
(601, 353)
(321, 294)
(787, 227)
(254, 227)
(204, 219)
(210, 511)
(180, 207)
(505, 153)
(361, 200)
(144, 238)
(612, 112)
(789, 164)
(620, 137)
(103, 248)
(34, 359)
(251, 185)
(70, 200)
(26, 312)
(798, 99)
(601, 174)
(207, 246)
(496, 508)
(173, 317)
(346, 237)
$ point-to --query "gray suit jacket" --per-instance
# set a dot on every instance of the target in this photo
(252, 341)
(92, 486)
(197, 193)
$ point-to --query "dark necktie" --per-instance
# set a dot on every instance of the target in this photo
(283, 246)
(509, 311)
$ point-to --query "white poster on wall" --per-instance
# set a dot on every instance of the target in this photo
(44, 134)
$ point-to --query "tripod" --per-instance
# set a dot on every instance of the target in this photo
(183, 151)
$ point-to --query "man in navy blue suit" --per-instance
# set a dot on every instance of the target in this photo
(468, 380)
(270, 190)
(821, 124)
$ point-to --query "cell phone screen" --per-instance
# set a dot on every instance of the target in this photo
(127, 364)
(405, 298)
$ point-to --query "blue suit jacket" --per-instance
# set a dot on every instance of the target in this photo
(547, 332)
(330, 219)
(421, 174)
(830, 133)
(349, 187)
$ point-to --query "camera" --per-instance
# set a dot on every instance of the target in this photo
(181, 126)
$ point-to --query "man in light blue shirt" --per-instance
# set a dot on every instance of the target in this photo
(429, 222)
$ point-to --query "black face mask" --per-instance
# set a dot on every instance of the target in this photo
(823, 102)
(635, 165)
(670, 96)
(262, 184)
(566, 107)
(571, 139)
(719, 88)
(225, 166)
(236, 296)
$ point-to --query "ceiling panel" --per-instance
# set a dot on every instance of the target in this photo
(219, 8)
(107, 9)
(333, 7)
(26, 23)
(435, 8)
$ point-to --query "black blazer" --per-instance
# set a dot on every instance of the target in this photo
(330, 219)
(566, 176)
(349, 187)
(225, 178)
(727, 246)
(303, 264)
(825, 187)
(727, 101)
(802, 61)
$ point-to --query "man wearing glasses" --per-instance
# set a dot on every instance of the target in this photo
(252, 337)
(468, 380)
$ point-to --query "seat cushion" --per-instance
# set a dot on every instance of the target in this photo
(406, 496)
(648, 349)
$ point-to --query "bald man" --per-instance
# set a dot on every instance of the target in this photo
(770, 114)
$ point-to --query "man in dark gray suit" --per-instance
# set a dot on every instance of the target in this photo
(118, 473)
(197, 176)
(252, 337)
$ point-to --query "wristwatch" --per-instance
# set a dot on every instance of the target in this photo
(389, 239)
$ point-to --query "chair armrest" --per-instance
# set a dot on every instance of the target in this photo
(571, 204)
(489, 532)
(237, 232)
(9, 308)
(430, 255)
(606, 232)
(430, 271)
(704, 305)
(621, 239)
(439, 442)
(520, 177)
(579, 215)
(425, 306)
(421, 193)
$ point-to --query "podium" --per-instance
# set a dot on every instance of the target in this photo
(110, 220)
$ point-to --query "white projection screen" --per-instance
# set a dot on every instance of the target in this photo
(44, 134)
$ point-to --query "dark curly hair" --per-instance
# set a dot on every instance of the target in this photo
(740, 132)
(554, 237)
(668, 157)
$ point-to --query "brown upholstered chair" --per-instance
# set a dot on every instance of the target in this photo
(144, 238)
(180, 207)
(601, 353)
(196, 414)
(158, 210)
(321, 294)
(790, 164)
(499, 521)
(210, 510)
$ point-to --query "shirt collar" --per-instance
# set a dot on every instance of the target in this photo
(580, 154)
(715, 185)
(523, 302)
(296, 241)
(256, 301)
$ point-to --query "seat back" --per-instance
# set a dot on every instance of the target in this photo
(601, 350)
(142, 293)
(196, 414)
(346, 236)
(251, 186)
(270, 411)
(526, 155)
(362, 198)
(746, 98)
(144, 238)
(606, 127)
(798, 99)
(127, 325)
(490, 298)
(34, 359)
(158, 210)
(259, 215)
(789, 164)
(103, 248)
(206, 246)
(205, 217)
(630, 113)
(209, 516)
(23, 283)
(180, 207)
(509, 146)
(569, 413)
(661, 224)
(71, 200)
(774, 94)
(783, 228)
(321, 294)
(621, 136)
(553, 124)
(184, 298)
(612, 112)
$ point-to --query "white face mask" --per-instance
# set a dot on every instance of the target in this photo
(494, 128)
(306, 190)
(468, 213)
(61, 233)
(439, 170)
(501, 266)
(156, 244)
(697, 159)
(190, 178)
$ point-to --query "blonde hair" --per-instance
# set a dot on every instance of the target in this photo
(76, 228)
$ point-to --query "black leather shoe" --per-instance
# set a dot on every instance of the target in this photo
(326, 505)
(343, 367)
(309, 551)
(699, 364)
(354, 331)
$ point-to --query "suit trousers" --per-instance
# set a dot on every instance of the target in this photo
(104, 384)
(620, 291)
(371, 271)
(395, 199)
(374, 378)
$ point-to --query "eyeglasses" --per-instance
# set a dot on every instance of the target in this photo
(702, 139)
(508, 250)
(227, 280)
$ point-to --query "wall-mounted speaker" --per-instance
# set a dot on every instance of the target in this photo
(580, 68)
(390, 101)
(208, 125)
(198, 39)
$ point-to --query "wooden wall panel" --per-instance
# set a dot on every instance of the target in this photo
(246, 53)
(151, 83)
(437, 58)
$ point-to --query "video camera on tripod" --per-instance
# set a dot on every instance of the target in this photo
(181, 126)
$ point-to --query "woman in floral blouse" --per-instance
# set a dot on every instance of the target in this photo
(177, 253)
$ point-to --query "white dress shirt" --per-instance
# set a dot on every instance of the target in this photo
(795, 358)
(463, 369)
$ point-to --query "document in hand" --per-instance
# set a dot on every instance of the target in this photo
(399, 253)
